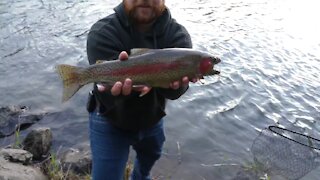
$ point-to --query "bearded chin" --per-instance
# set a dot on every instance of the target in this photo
(142, 20)
(134, 17)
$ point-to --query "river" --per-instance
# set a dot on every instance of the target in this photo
(270, 69)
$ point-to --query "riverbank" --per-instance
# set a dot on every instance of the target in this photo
(32, 158)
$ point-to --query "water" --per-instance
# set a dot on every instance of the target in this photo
(271, 64)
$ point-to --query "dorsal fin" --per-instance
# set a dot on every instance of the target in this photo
(138, 51)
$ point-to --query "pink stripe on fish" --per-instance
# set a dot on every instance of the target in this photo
(145, 69)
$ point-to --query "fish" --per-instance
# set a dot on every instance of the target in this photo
(147, 67)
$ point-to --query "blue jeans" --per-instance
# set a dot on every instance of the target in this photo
(110, 149)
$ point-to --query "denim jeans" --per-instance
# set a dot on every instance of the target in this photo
(110, 149)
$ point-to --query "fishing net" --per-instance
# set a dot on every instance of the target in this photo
(286, 153)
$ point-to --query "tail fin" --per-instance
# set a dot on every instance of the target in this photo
(71, 77)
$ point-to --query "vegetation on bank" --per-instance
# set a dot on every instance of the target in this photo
(54, 169)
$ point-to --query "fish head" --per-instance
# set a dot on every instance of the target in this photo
(206, 65)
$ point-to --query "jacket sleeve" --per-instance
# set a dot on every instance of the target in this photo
(102, 46)
(180, 39)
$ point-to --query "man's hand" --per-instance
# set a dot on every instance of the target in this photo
(125, 88)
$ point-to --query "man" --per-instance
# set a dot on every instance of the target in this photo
(119, 117)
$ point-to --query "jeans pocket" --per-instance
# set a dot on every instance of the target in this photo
(98, 123)
(96, 117)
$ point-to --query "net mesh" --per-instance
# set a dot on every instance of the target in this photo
(286, 153)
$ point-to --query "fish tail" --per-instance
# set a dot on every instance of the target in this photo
(71, 77)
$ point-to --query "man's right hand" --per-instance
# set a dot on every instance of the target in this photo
(124, 88)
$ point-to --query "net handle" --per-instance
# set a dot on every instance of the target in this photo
(271, 128)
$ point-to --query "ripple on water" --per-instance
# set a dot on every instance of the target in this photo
(269, 74)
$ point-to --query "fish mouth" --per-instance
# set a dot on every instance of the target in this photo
(215, 60)
(215, 72)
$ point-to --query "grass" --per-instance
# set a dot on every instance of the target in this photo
(53, 167)
(54, 170)
(128, 170)
(258, 168)
(17, 139)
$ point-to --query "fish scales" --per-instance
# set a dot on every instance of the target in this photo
(154, 68)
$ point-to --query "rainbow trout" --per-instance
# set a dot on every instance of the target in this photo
(150, 67)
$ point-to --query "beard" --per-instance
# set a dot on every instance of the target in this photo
(143, 11)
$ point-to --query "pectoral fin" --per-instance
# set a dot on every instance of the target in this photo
(213, 72)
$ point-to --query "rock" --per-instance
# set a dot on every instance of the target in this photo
(77, 161)
(16, 117)
(38, 142)
(16, 155)
(16, 171)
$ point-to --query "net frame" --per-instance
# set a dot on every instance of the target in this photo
(291, 139)
(284, 152)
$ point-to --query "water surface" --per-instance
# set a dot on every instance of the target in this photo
(270, 53)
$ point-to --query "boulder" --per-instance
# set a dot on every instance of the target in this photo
(14, 118)
(38, 142)
(78, 161)
(17, 171)
(16, 155)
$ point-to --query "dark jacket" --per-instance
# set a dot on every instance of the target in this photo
(115, 33)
